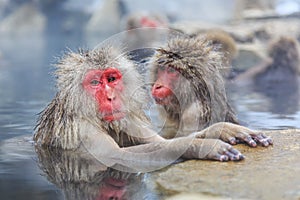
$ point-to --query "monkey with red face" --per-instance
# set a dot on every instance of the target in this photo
(189, 89)
(98, 109)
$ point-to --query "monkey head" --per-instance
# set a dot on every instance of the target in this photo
(93, 83)
(143, 20)
(187, 70)
(285, 53)
(183, 66)
(101, 87)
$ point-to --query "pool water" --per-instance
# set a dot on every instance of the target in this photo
(26, 86)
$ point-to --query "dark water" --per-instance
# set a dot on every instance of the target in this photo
(26, 86)
(275, 107)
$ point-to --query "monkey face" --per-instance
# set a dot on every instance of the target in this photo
(106, 86)
(163, 88)
(147, 22)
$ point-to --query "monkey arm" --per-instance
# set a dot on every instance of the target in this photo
(190, 148)
(233, 134)
(149, 136)
(227, 132)
(139, 158)
(155, 155)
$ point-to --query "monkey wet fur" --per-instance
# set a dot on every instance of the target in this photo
(189, 89)
(98, 109)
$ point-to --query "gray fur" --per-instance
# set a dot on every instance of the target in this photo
(198, 61)
(58, 123)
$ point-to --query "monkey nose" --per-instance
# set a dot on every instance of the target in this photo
(110, 94)
(157, 86)
(111, 97)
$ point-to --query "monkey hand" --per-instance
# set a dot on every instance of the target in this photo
(212, 149)
(234, 134)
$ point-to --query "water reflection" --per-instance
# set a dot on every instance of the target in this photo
(20, 176)
(26, 86)
(81, 176)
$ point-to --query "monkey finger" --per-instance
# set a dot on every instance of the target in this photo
(247, 138)
(219, 156)
(263, 139)
(237, 157)
(222, 158)
(232, 140)
(269, 140)
(230, 155)
(234, 154)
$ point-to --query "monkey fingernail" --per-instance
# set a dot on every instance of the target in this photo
(270, 141)
(223, 158)
(241, 157)
(232, 141)
(252, 143)
(265, 143)
(236, 158)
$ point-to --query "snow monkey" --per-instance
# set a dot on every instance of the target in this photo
(98, 109)
(188, 87)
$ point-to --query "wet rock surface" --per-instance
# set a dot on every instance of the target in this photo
(266, 173)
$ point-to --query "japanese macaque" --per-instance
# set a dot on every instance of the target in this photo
(144, 30)
(226, 44)
(99, 109)
(189, 89)
(143, 20)
(283, 64)
(246, 8)
(277, 77)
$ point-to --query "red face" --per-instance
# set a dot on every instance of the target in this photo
(106, 86)
(151, 22)
(162, 90)
(147, 22)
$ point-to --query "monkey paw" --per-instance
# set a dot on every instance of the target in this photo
(225, 152)
(250, 137)
(213, 149)
(234, 134)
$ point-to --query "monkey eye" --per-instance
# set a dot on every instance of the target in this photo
(162, 68)
(111, 79)
(171, 70)
(94, 82)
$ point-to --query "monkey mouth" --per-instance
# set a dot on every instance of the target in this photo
(117, 183)
(162, 101)
(116, 115)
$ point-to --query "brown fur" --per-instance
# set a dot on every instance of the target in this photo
(133, 20)
(224, 43)
(198, 62)
(283, 66)
(285, 54)
(276, 77)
